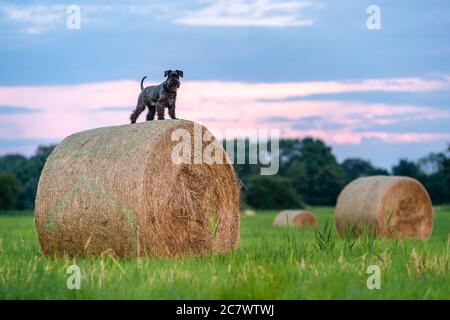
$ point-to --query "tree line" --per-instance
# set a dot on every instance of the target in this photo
(308, 174)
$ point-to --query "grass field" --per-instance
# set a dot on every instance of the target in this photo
(269, 263)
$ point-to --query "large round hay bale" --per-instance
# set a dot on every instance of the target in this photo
(295, 218)
(116, 189)
(385, 206)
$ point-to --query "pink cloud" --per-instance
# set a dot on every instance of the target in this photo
(66, 109)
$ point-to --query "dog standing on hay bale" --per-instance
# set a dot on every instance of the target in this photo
(158, 97)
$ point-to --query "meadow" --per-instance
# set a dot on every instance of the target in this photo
(268, 263)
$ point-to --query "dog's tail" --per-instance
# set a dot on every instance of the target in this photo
(142, 83)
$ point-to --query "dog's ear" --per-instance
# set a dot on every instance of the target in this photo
(180, 73)
(167, 72)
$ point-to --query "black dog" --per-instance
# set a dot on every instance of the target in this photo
(158, 97)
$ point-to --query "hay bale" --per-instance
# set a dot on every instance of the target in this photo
(385, 206)
(248, 212)
(116, 189)
(295, 218)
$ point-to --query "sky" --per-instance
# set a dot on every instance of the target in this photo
(304, 67)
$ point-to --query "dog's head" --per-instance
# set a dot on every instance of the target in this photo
(173, 78)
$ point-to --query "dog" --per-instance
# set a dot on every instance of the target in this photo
(158, 97)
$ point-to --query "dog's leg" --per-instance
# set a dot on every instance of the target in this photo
(151, 112)
(139, 108)
(172, 111)
(160, 110)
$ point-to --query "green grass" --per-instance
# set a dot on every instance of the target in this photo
(269, 263)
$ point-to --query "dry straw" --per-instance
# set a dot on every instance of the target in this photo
(295, 218)
(389, 207)
(248, 212)
(116, 189)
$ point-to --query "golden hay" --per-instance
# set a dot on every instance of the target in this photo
(248, 212)
(295, 218)
(389, 207)
(116, 189)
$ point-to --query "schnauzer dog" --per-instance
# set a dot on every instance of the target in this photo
(158, 97)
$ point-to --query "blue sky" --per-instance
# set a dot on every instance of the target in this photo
(234, 45)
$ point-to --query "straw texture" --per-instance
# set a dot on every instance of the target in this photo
(116, 189)
(390, 207)
(295, 218)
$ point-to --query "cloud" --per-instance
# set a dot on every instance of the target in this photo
(114, 109)
(385, 154)
(35, 19)
(248, 13)
(437, 98)
(23, 146)
(419, 125)
(316, 123)
(38, 19)
(210, 102)
(16, 110)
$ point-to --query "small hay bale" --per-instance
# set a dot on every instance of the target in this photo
(248, 212)
(295, 218)
(384, 206)
(116, 189)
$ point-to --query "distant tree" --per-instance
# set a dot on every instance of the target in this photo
(438, 187)
(9, 190)
(272, 192)
(33, 170)
(319, 179)
(244, 170)
(14, 163)
(430, 171)
(290, 150)
(446, 164)
(431, 163)
(27, 171)
(297, 173)
(355, 168)
(409, 169)
(434, 177)
(446, 173)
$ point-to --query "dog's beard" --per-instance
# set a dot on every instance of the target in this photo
(173, 86)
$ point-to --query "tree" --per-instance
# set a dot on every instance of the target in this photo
(244, 170)
(27, 171)
(409, 169)
(272, 192)
(434, 178)
(320, 178)
(355, 168)
(9, 190)
(297, 173)
(446, 172)
(431, 163)
(15, 164)
(33, 170)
